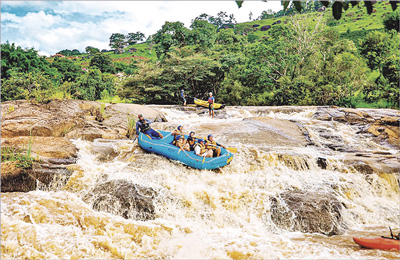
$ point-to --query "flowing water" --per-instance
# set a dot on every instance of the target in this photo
(201, 214)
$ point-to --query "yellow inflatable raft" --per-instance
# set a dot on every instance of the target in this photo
(203, 103)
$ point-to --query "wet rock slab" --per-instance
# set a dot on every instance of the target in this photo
(382, 124)
(41, 176)
(307, 212)
(123, 198)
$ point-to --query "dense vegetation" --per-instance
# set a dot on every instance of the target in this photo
(278, 59)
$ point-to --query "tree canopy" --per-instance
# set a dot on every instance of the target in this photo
(295, 59)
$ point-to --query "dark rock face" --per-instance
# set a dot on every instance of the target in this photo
(50, 176)
(255, 25)
(15, 179)
(265, 27)
(308, 212)
(321, 162)
(43, 176)
(124, 198)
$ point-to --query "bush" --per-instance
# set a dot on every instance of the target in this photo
(32, 85)
(105, 95)
(13, 154)
(391, 21)
(103, 62)
(92, 84)
(131, 127)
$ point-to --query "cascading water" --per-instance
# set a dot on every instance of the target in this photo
(205, 214)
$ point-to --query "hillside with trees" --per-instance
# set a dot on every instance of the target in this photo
(284, 58)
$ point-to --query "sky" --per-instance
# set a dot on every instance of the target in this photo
(52, 26)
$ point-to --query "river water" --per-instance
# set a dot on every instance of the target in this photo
(201, 214)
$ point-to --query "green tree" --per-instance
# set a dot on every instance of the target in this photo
(160, 82)
(117, 41)
(204, 34)
(391, 21)
(377, 46)
(195, 72)
(68, 69)
(229, 37)
(32, 85)
(221, 19)
(17, 58)
(172, 34)
(133, 38)
(266, 15)
(75, 52)
(146, 86)
(65, 52)
(91, 84)
(381, 52)
(91, 50)
(337, 6)
(103, 62)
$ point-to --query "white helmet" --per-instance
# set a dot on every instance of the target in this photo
(210, 93)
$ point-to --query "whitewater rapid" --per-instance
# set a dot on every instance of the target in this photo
(202, 214)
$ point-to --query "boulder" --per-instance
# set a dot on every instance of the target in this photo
(53, 119)
(369, 163)
(71, 119)
(16, 179)
(307, 212)
(265, 27)
(50, 176)
(47, 147)
(344, 115)
(386, 133)
(116, 118)
(91, 131)
(260, 131)
(381, 123)
(104, 150)
(40, 176)
(123, 198)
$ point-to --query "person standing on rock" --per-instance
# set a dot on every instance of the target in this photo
(211, 101)
(143, 125)
(183, 97)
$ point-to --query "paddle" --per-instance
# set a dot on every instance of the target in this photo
(231, 149)
(391, 233)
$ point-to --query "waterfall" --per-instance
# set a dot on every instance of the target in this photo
(224, 213)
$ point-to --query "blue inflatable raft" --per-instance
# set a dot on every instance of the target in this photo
(165, 148)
